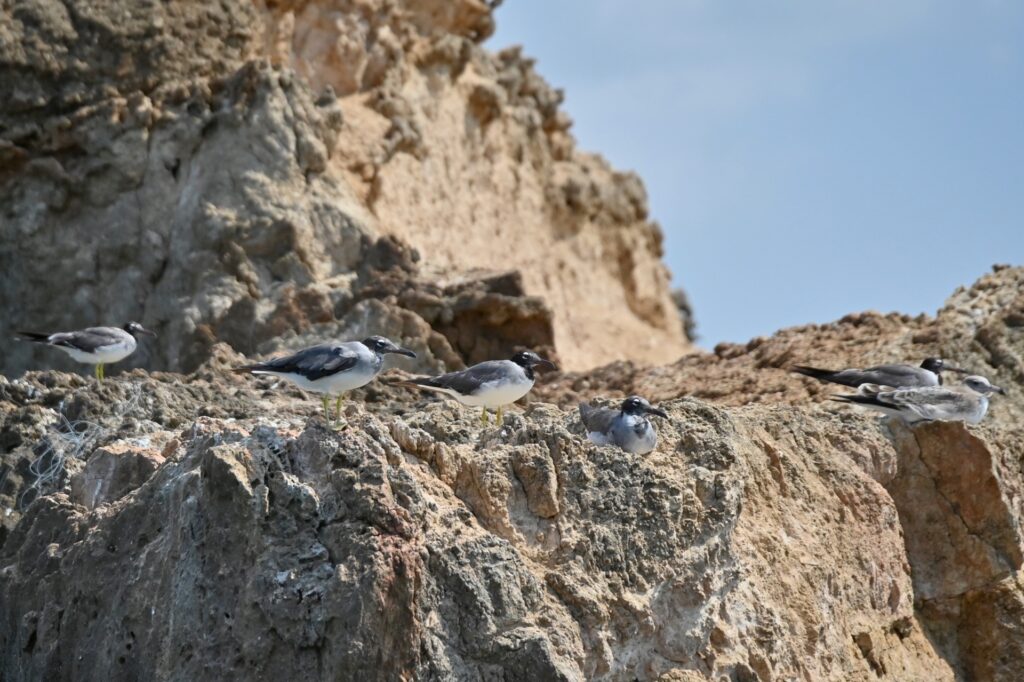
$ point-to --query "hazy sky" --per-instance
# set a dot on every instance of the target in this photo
(805, 159)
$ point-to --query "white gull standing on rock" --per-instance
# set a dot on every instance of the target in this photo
(491, 384)
(331, 368)
(97, 346)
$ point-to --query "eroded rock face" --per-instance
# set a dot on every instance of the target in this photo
(224, 174)
(960, 509)
(796, 540)
(248, 177)
(981, 327)
(415, 542)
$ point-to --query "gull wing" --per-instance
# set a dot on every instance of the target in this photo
(597, 419)
(88, 340)
(934, 402)
(466, 381)
(885, 375)
(313, 363)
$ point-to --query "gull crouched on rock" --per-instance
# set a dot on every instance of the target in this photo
(96, 346)
(331, 368)
(627, 427)
(967, 403)
(929, 373)
(491, 384)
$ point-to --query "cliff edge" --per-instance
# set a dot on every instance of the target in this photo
(168, 526)
(246, 177)
(230, 172)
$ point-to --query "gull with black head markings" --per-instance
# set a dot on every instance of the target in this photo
(491, 384)
(929, 373)
(331, 368)
(96, 346)
(967, 403)
(627, 427)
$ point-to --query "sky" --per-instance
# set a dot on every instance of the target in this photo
(804, 159)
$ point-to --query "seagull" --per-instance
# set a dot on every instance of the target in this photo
(896, 376)
(331, 368)
(494, 383)
(627, 427)
(968, 402)
(97, 346)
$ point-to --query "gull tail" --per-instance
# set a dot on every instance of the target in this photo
(418, 382)
(255, 367)
(426, 383)
(859, 399)
(34, 336)
(825, 375)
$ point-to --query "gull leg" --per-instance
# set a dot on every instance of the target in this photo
(96, 371)
(499, 420)
(483, 416)
(327, 410)
(103, 371)
(337, 407)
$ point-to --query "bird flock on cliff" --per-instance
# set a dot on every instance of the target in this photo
(910, 393)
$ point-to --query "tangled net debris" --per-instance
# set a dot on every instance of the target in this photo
(66, 439)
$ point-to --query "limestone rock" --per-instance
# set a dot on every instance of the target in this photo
(116, 469)
(224, 174)
(979, 327)
(416, 543)
(759, 541)
(248, 178)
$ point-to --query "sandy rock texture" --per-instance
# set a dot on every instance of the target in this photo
(250, 176)
(980, 328)
(213, 523)
(417, 544)
(245, 171)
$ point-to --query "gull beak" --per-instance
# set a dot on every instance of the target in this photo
(402, 351)
(958, 370)
(147, 333)
(999, 389)
(660, 413)
(546, 363)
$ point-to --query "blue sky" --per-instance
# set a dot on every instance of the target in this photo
(805, 159)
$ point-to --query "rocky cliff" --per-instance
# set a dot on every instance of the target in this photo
(244, 172)
(162, 526)
(250, 176)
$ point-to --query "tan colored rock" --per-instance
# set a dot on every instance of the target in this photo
(978, 328)
(990, 643)
(298, 170)
(762, 541)
(751, 544)
(962, 532)
(114, 470)
(234, 189)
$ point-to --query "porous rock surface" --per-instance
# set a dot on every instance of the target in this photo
(780, 540)
(250, 176)
(233, 172)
